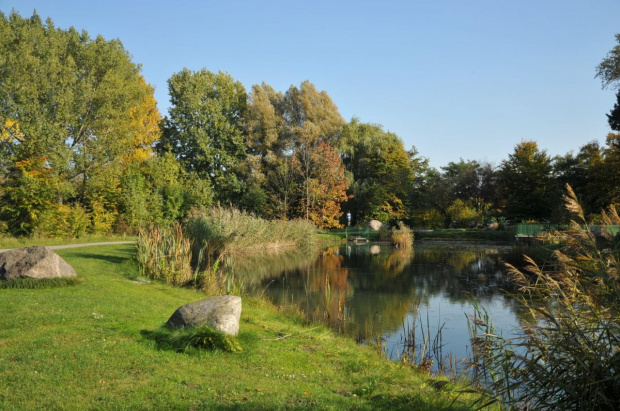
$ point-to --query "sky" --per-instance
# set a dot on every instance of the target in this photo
(457, 79)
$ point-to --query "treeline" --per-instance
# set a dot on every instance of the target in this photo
(83, 148)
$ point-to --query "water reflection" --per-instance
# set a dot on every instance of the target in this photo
(374, 290)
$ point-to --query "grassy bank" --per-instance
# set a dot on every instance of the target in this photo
(85, 347)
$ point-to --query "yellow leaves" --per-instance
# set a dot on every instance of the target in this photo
(143, 128)
(10, 130)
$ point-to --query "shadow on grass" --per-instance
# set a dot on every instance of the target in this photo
(36, 283)
(114, 259)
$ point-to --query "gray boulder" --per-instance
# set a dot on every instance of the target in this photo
(33, 262)
(375, 225)
(221, 313)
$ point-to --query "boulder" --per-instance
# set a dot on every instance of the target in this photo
(221, 313)
(375, 225)
(33, 262)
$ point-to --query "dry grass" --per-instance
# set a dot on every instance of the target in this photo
(568, 356)
(402, 237)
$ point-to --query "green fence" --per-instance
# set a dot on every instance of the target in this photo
(531, 230)
(612, 229)
(535, 230)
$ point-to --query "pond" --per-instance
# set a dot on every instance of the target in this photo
(398, 299)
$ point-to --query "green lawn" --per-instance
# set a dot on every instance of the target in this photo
(81, 347)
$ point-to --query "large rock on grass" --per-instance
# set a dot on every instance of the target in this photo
(33, 262)
(375, 225)
(221, 313)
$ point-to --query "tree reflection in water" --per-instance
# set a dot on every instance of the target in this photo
(375, 291)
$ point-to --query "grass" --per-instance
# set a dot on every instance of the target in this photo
(568, 355)
(223, 231)
(88, 347)
(402, 236)
(36, 283)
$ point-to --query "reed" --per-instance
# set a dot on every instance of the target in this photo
(568, 356)
(226, 231)
(192, 254)
(423, 351)
(164, 253)
(402, 236)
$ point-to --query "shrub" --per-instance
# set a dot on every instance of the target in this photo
(62, 221)
(568, 356)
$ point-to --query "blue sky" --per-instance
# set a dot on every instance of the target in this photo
(456, 78)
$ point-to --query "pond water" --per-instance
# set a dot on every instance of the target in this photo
(375, 293)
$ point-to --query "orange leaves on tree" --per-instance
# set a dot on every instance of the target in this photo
(327, 187)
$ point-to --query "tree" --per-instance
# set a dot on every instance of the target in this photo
(462, 215)
(382, 172)
(78, 102)
(613, 118)
(585, 172)
(286, 133)
(609, 69)
(611, 171)
(525, 182)
(310, 118)
(204, 127)
(473, 183)
(327, 187)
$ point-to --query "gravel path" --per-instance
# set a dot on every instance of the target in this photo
(59, 247)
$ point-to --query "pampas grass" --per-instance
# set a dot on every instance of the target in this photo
(568, 356)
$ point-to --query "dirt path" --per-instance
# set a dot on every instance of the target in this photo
(59, 247)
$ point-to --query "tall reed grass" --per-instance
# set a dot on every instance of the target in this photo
(226, 231)
(568, 357)
(164, 253)
(191, 254)
(402, 236)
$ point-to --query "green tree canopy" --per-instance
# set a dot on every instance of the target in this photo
(525, 180)
(205, 127)
(382, 172)
(609, 69)
(613, 118)
(71, 107)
